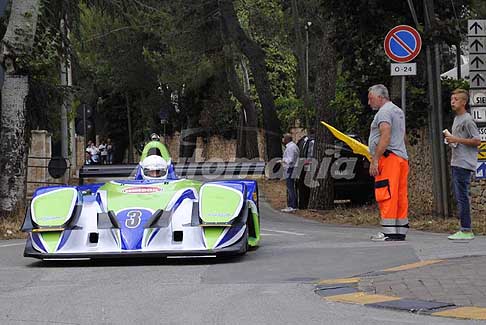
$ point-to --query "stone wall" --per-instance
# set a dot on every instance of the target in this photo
(420, 193)
(478, 201)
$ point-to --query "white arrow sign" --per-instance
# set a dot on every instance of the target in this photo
(477, 45)
(476, 27)
(477, 79)
(477, 62)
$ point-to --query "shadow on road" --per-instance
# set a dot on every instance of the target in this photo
(131, 262)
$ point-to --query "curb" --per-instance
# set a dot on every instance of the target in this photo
(345, 290)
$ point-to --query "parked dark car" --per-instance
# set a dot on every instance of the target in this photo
(350, 172)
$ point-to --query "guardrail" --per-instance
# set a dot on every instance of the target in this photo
(208, 169)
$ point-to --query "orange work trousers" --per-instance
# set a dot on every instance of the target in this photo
(391, 193)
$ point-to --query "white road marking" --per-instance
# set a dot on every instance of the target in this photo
(284, 232)
(10, 245)
(265, 234)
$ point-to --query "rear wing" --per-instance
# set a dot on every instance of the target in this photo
(210, 169)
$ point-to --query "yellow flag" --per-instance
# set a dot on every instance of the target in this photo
(355, 145)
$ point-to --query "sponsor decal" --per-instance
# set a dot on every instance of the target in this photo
(141, 190)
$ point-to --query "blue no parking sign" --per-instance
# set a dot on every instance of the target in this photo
(402, 44)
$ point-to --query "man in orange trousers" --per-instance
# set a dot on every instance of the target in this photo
(389, 164)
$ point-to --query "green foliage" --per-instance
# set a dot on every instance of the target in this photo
(291, 112)
(347, 106)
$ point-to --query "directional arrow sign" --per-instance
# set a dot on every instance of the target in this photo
(477, 62)
(481, 170)
(478, 114)
(478, 79)
(482, 151)
(477, 45)
(476, 27)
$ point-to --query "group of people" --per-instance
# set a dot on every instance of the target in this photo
(102, 154)
(389, 163)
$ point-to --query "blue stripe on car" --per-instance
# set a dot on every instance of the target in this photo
(230, 234)
(37, 241)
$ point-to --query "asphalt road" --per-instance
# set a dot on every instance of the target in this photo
(271, 285)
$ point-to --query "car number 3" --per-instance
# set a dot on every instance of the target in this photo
(134, 219)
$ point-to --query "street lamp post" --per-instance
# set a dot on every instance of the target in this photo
(307, 26)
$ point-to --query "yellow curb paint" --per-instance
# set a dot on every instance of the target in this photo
(361, 298)
(464, 312)
(412, 266)
(340, 281)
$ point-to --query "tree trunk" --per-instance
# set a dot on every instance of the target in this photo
(299, 49)
(16, 44)
(130, 135)
(247, 142)
(322, 196)
(256, 57)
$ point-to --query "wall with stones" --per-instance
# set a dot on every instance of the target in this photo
(420, 193)
(478, 198)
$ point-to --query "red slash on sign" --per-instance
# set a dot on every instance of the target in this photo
(402, 44)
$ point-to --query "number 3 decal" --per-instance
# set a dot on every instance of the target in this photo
(134, 219)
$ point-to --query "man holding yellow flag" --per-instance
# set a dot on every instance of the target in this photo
(389, 164)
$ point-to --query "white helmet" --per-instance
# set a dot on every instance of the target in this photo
(154, 167)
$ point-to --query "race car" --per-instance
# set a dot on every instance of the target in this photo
(154, 215)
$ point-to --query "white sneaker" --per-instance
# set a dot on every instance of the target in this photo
(288, 209)
(379, 237)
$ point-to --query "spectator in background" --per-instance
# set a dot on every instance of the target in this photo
(87, 157)
(93, 152)
(464, 142)
(109, 151)
(103, 152)
(289, 160)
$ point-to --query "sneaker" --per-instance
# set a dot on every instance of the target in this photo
(288, 209)
(462, 235)
(380, 237)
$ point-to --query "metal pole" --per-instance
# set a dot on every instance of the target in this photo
(443, 157)
(435, 136)
(458, 60)
(404, 93)
(85, 131)
(64, 106)
(306, 60)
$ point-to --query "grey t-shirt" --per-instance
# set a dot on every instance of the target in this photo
(462, 155)
(393, 115)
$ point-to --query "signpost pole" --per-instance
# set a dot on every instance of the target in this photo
(404, 93)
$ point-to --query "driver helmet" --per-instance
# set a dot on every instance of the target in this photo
(154, 167)
(155, 137)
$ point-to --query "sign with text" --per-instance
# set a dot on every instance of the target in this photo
(482, 133)
(477, 97)
(403, 69)
(478, 114)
